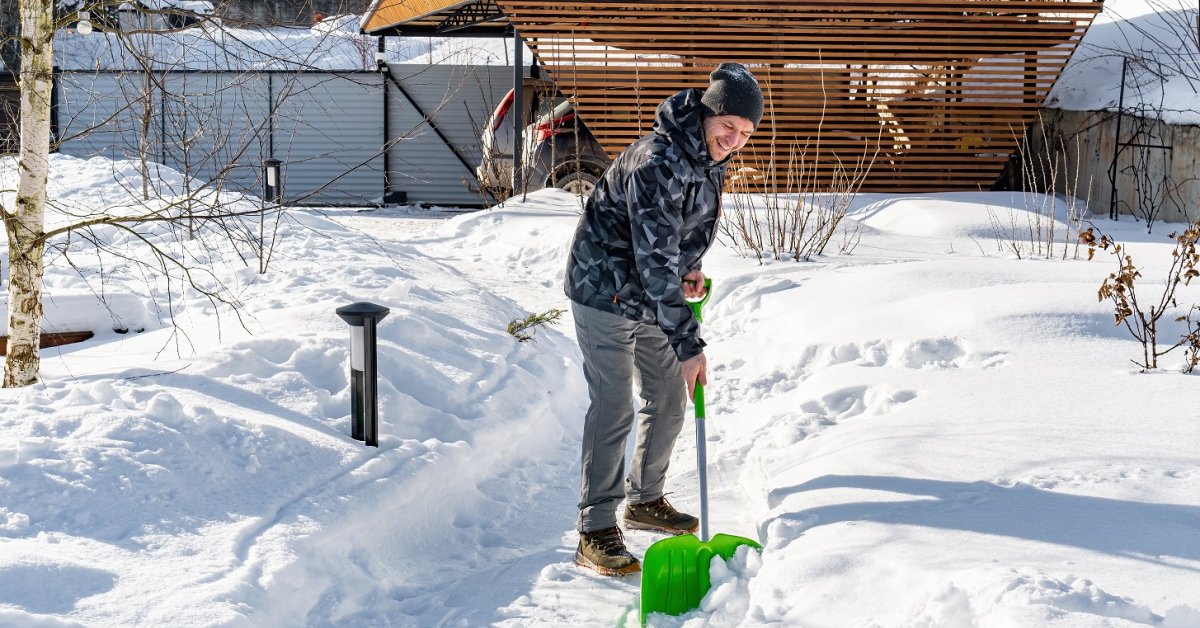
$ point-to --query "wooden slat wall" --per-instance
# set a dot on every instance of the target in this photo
(932, 94)
(389, 12)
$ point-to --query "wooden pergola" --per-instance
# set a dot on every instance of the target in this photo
(909, 95)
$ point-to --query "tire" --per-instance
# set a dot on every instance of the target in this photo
(579, 182)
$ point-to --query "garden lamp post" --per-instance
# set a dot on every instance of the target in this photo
(84, 25)
(363, 319)
(271, 180)
(273, 196)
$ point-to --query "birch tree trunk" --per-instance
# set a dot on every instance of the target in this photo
(25, 227)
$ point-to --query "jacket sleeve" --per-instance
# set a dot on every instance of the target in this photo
(655, 198)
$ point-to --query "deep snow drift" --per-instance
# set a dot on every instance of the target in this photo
(923, 431)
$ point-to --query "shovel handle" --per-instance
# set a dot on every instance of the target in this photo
(701, 460)
(696, 306)
(698, 402)
(699, 303)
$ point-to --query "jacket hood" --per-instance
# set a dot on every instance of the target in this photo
(681, 118)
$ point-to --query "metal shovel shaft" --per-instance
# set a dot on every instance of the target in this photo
(701, 460)
(675, 571)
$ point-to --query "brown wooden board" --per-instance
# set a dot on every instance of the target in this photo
(932, 95)
(54, 339)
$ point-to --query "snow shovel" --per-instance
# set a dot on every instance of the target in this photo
(675, 571)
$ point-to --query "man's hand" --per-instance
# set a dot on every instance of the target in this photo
(693, 285)
(694, 369)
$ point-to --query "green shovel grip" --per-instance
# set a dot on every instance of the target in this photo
(699, 303)
(696, 306)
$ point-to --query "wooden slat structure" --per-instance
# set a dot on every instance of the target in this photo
(914, 95)
(457, 18)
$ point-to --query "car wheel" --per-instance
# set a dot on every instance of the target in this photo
(578, 182)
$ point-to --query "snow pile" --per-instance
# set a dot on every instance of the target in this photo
(334, 43)
(90, 285)
(210, 46)
(728, 599)
(920, 432)
(952, 215)
(1159, 37)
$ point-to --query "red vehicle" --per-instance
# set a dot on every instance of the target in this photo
(558, 150)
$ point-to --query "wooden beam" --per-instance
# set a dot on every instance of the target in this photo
(52, 339)
(934, 94)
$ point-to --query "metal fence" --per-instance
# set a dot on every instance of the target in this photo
(406, 134)
(10, 101)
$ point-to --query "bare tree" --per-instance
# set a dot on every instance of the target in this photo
(170, 227)
(24, 225)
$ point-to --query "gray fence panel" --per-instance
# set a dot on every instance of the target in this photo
(459, 99)
(100, 114)
(328, 131)
(327, 128)
(10, 114)
(215, 126)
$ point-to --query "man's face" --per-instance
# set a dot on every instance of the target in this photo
(725, 134)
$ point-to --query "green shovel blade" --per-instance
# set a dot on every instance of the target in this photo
(675, 571)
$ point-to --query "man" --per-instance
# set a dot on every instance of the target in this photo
(635, 257)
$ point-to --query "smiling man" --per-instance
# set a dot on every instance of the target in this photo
(635, 258)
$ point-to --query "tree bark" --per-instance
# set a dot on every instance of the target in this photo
(25, 227)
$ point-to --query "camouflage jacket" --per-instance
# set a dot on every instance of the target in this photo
(650, 219)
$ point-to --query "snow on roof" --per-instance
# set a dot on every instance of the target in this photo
(1158, 37)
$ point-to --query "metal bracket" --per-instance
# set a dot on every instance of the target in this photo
(470, 15)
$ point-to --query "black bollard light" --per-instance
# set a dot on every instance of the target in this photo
(272, 192)
(364, 370)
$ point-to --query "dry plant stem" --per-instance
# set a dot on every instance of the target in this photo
(798, 217)
(1033, 230)
(1191, 353)
(1120, 287)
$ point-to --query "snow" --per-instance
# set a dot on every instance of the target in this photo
(922, 431)
(334, 43)
(1160, 39)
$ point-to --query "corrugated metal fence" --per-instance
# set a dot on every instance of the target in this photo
(345, 138)
(10, 100)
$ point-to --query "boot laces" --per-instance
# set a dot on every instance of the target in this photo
(607, 540)
(662, 508)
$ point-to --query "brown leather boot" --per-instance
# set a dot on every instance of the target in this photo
(604, 551)
(660, 515)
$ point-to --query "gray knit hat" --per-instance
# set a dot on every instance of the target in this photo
(733, 90)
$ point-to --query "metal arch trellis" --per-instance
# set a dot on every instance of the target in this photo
(1119, 146)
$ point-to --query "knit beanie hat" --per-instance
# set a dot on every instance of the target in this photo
(733, 90)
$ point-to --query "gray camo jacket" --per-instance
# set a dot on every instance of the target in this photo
(650, 219)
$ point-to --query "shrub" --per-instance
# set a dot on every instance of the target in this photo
(523, 329)
(1120, 288)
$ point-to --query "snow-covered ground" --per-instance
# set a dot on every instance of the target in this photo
(924, 431)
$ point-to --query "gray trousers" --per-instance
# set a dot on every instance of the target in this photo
(617, 354)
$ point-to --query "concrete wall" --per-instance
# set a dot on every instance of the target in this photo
(1156, 183)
